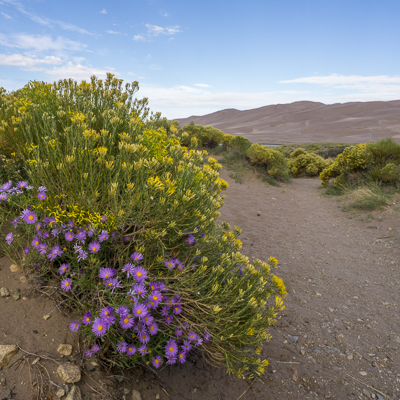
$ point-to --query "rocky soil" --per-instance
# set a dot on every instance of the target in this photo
(338, 338)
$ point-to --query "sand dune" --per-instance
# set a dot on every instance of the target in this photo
(307, 121)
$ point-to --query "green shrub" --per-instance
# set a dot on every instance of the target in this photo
(239, 143)
(119, 196)
(271, 160)
(206, 136)
(377, 162)
(303, 163)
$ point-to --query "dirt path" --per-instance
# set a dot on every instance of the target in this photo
(338, 338)
(341, 326)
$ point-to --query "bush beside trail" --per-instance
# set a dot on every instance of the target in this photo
(124, 217)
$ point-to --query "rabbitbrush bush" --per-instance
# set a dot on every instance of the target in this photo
(304, 163)
(377, 162)
(125, 219)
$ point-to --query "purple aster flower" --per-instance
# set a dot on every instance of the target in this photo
(152, 286)
(122, 346)
(54, 232)
(143, 350)
(103, 218)
(69, 236)
(160, 286)
(122, 310)
(62, 268)
(42, 248)
(185, 325)
(139, 273)
(165, 311)
(114, 236)
(128, 268)
(82, 255)
(94, 247)
(192, 336)
(186, 346)
(140, 328)
(157, 362)
(112, 284)
(6, 187)
(106, 273)
(171, 348)
(99, 327)
(168, 319)
(179, 265)
(136, 257)
(27, 250)
(155, 296)
(35, 243)
(87, 318)
(41, 196)
(206, 337)
(144, 337)
(177, 309)
(140, 310)
(22, 184)
(55, 252)
(199, 341)
(126, 322)
(66, 284)
(81, 236)
(106, 311)
(9, 238)
(148, 319)
(182, 357)
(15, 222)
(30, 217)
(110, 319)
(103, 236)
(178, 332)
(170, 264)
(190, 240)
(74, 326)
(95, 348)
(153, 328)
(88, 353)
(171, 360)
(130, 349)
(139, 289)
(42, 188)
(3, 196)
(45, 235)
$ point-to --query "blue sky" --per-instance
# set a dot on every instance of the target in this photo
(194, 57)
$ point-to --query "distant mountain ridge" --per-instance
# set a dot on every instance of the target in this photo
(308, 121)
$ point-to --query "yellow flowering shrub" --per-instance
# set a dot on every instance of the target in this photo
(304, 163)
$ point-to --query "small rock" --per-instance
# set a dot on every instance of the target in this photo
(60, 393)
(302, 352)
(36, 360)
(94, 363)
(4, 292)
(379, 397)
(293, 339)
(157, 396)
(69, 373)
(3, 381)
(74, 394)
(136, 395)
(64, 349)
(16, 296)
(126, 391)
(318, 294)
(46, 317)
(295, 376)
(258, 213)
(119, 378)
(366, 393)
(23, 279)
(6, 353)
(363, 373)
(350, 356)
(316, 351)
(14, 268)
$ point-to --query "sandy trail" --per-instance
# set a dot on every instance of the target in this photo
(341, 324)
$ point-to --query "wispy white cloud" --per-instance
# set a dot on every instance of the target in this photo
(155, 30)
(103, 11)
(6, 16)
(26, 62)
(47, 21)
(76, 71)
(164, 14)
(205, 85)
(113, 32)
(139, 38)
(336, 79)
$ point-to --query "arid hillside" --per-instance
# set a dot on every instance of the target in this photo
(307, 121)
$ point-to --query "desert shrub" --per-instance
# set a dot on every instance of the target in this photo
(367, 197)
(273, 161)
(377, 162)
(239, 143)
(206, 136)
(303, 163)
(125, 220)
(330, 152)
